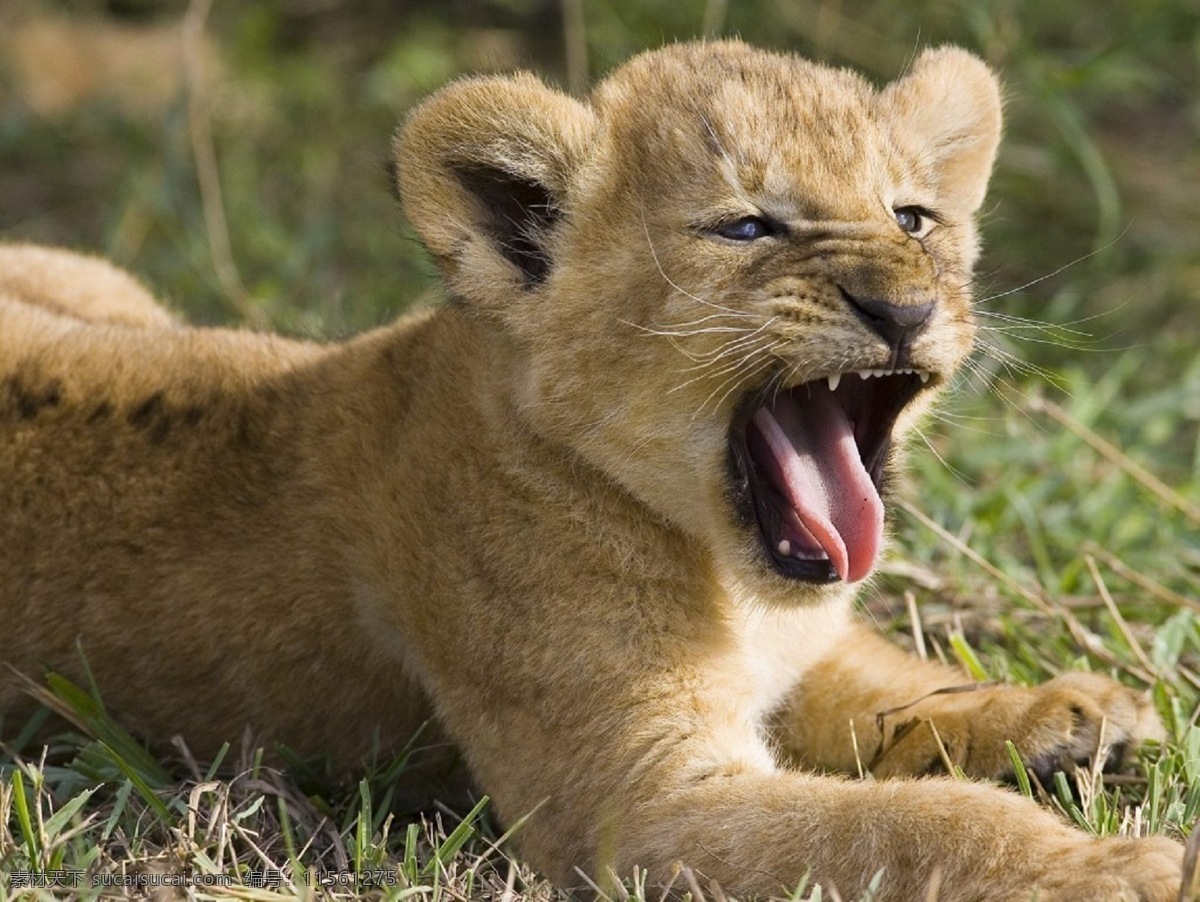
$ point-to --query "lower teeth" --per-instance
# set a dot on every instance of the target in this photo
(785, 550)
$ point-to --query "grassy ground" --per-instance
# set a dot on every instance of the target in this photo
(1051, 523)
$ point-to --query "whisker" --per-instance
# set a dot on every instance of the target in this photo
(732, 346)
(1051, 275)
(739, 314)
(1015, 364)
(1060, 342)
(1016, 329)
(961, 420)
(740, 370)
(737, 381)
(668, 280)
(1039, 324)
(950, 468)
(710, 373)
(710, 330)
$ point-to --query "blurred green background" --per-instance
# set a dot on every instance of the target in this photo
(95, 151)
(162, 133)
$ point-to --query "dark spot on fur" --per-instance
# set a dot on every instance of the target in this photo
(243, 432)
(160, 430)
(102, 412)
(153, 417)
(52, 394)
(1043, 769)
(142, 416)
(270, 395)
(1117, 755)
(30, 401)
(192, 415)
(935, 768)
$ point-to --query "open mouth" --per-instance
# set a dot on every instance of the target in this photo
(807, 465)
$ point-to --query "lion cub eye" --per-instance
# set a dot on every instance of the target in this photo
(748, 228)
(914, 220)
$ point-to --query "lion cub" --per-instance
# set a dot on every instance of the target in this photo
(601, 516)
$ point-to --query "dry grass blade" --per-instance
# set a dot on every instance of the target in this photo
(918, 633)
(1116, 456)
(1156, 589)
(1130, 639)
(1139, 579)
(575, 46)
(1078, 631)
(200, 126)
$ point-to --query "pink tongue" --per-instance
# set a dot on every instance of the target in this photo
(824, 479)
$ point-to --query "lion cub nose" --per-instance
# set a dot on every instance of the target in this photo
(897, 324)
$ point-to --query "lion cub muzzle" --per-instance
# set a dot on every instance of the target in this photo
(897, 324)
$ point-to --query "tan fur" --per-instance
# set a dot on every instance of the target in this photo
(512, 514)
(86, 288)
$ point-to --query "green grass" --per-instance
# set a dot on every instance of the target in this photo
(1025, 550)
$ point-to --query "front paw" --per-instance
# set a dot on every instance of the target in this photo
(1054, 726)
(1077, 715)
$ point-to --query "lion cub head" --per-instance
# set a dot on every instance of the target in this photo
(729, 279)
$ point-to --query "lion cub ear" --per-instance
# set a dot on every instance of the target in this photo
(484, 170)
(948, 107)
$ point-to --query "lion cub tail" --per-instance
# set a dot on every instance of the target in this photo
(77, 286)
